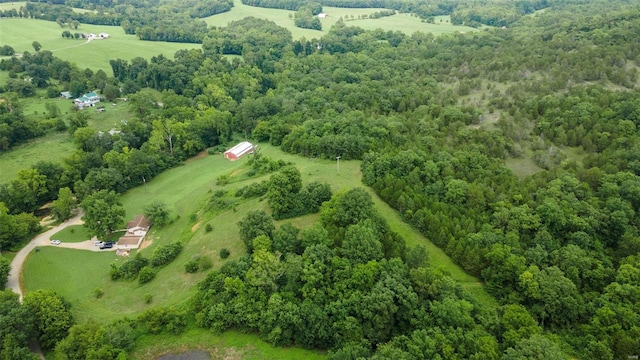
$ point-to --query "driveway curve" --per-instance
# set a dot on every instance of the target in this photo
(44, 239)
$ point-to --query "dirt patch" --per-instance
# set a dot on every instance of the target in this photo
(148, 240)
(47, 220)
(199, 155)
(195, 227)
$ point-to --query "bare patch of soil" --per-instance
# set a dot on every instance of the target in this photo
(148, 240)
(198, 156)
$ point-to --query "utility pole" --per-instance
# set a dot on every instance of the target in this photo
(338, 160)
(144, 184)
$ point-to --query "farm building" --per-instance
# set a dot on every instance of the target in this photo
(239, 150)
(86, 100)
(322, 16)
(67, 95)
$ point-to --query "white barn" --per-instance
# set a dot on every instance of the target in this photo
(239, 150)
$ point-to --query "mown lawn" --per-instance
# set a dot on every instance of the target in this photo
(20, 34)
(74, 233)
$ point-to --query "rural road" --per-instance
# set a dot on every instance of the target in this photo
(44, 239)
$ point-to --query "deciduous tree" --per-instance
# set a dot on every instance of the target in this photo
(64, 205)
(52, 316)
(103, 213)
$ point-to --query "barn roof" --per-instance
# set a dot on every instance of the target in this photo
(241, 149)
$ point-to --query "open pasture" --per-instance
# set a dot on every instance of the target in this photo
(52, 147)
(20, 34)
(399, 22)
(12, 5)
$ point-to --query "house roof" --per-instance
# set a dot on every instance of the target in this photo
(129, 240)
(139, 221)
(66, 94)
(90, 94)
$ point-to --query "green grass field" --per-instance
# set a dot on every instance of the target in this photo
(12, 5)
(230, 345)
(53, 147)
(185, 189)
(400, 22)
(20, 34)
(74, 233)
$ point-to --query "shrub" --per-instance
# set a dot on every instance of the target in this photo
(146, 274)
(158, 320)
(205, 263)
(224, 253)
(208, 228)
(129, 269)
(98, 292)
(223, 180)
(212, 151)
(148, 298)
(193, 265)
(165, 254)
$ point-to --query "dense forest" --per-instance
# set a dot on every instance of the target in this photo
(433, 120)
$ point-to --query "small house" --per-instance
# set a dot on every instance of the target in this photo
(67, 95)
(136, 231)
(239, 150)
(86, 100)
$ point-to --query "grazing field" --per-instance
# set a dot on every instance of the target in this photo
(231, 345)
(186, 190)
(399, 22)
(55, 146)
(52, 147)
(20, 34)
(12, 5)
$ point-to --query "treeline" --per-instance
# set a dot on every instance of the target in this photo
(348, 284)
(465, 12)
(45, 317)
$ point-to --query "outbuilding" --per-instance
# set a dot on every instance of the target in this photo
(239, 150)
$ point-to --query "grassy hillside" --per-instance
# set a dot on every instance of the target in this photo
(186, 189)
(20, 34)
(399, 22)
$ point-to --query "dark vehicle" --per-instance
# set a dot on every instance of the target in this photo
(107, 245)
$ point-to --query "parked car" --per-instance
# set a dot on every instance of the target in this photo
(107, 245)
(56, 242)
(98, 243)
